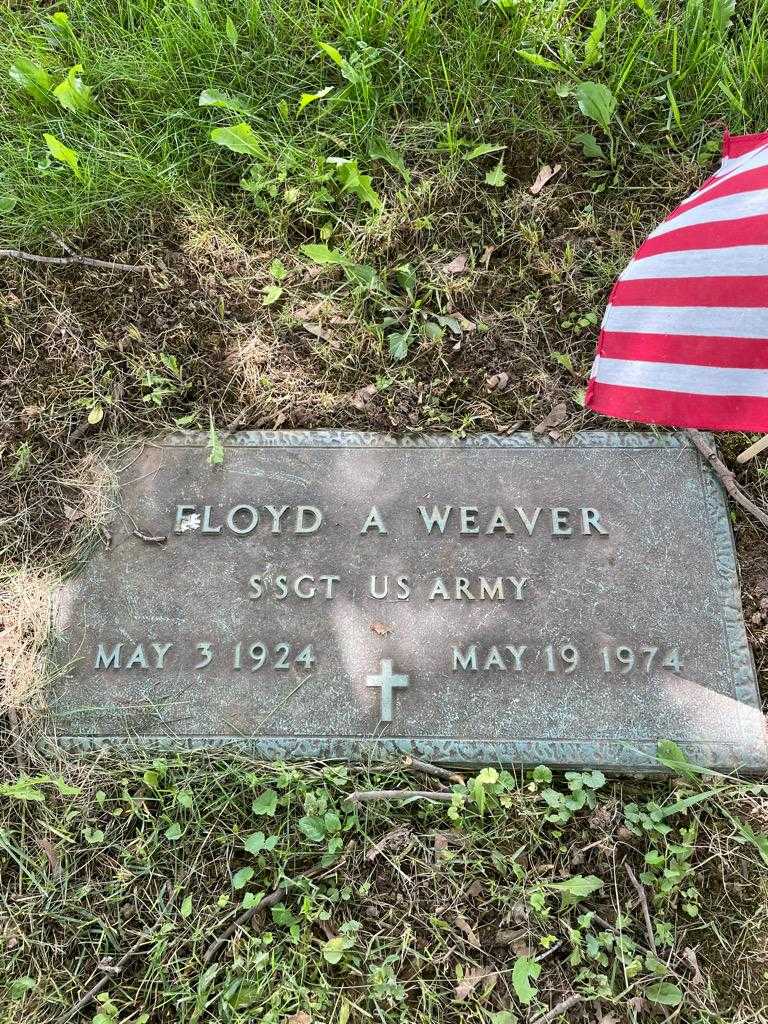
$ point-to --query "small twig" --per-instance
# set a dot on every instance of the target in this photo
(65, 261)
(15, 731)
(239, 420)
(432, 769)
(367, 796)
(272, 898)
(726, 477)
(150, 538)
(562, 1007)
(640, 890)
(753, 450)
(105, 979)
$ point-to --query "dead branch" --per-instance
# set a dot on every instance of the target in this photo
(726, 477)
(109, 974)
(432, 769)
(562, 1007)
(367, 796)
(75, 258)
(640, 890)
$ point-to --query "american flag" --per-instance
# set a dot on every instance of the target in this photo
(684, 340)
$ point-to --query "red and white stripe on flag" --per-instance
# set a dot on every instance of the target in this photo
(684, 340)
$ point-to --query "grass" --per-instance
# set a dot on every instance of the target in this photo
(490, 909)
(428, 78)
(420, 286)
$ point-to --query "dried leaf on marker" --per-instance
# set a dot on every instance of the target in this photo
(546, 173)
(381, 628)
(555, 418)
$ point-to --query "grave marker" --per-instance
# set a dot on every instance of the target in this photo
(334, 594)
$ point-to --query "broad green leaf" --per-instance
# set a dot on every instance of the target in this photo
(73, 94)
(242, 877)
(254, 843)
(333, 53)
(62, 25)
(542, 774)
(398, 345)
(215, 447)
(186, 907)
(231, 32)
(239, 138)
(323, 255)
(590, 147)
(577, 888)
(310, 97)
(30, 76)
(597, 102)
(217, 98)
(352, 75)
(671, 756)
(265, 804)
(173, 831)
(19, 987)
(664, 993)
(25, 788)
(538, 61)
(483, 149)
(251, 899)
(362, 274)
(359, 184)
(313, 828)
(62, 153)
(496, 177)
(334, 949)
(271, 294)
(592, 45)
(7, 203)
(523, 971)
(381, 150)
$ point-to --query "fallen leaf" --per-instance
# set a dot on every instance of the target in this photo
(471, 980)
(497, 381)
(558, 415)
(689, 954)
(488, 251)
(457, 265)
(468, 326)
(72, 514)
(279, 420)
(464, 926)
(638, 1003)
(53, 859)
(546, 173)
(315, 329)
(380, 629)
(442, 842)
(394, 838)
(300, 1017)
(361, 399)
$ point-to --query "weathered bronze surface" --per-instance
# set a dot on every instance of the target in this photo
(315, 598)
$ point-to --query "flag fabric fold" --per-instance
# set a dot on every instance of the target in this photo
(684, 340)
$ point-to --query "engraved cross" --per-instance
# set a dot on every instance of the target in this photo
(388, 682)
